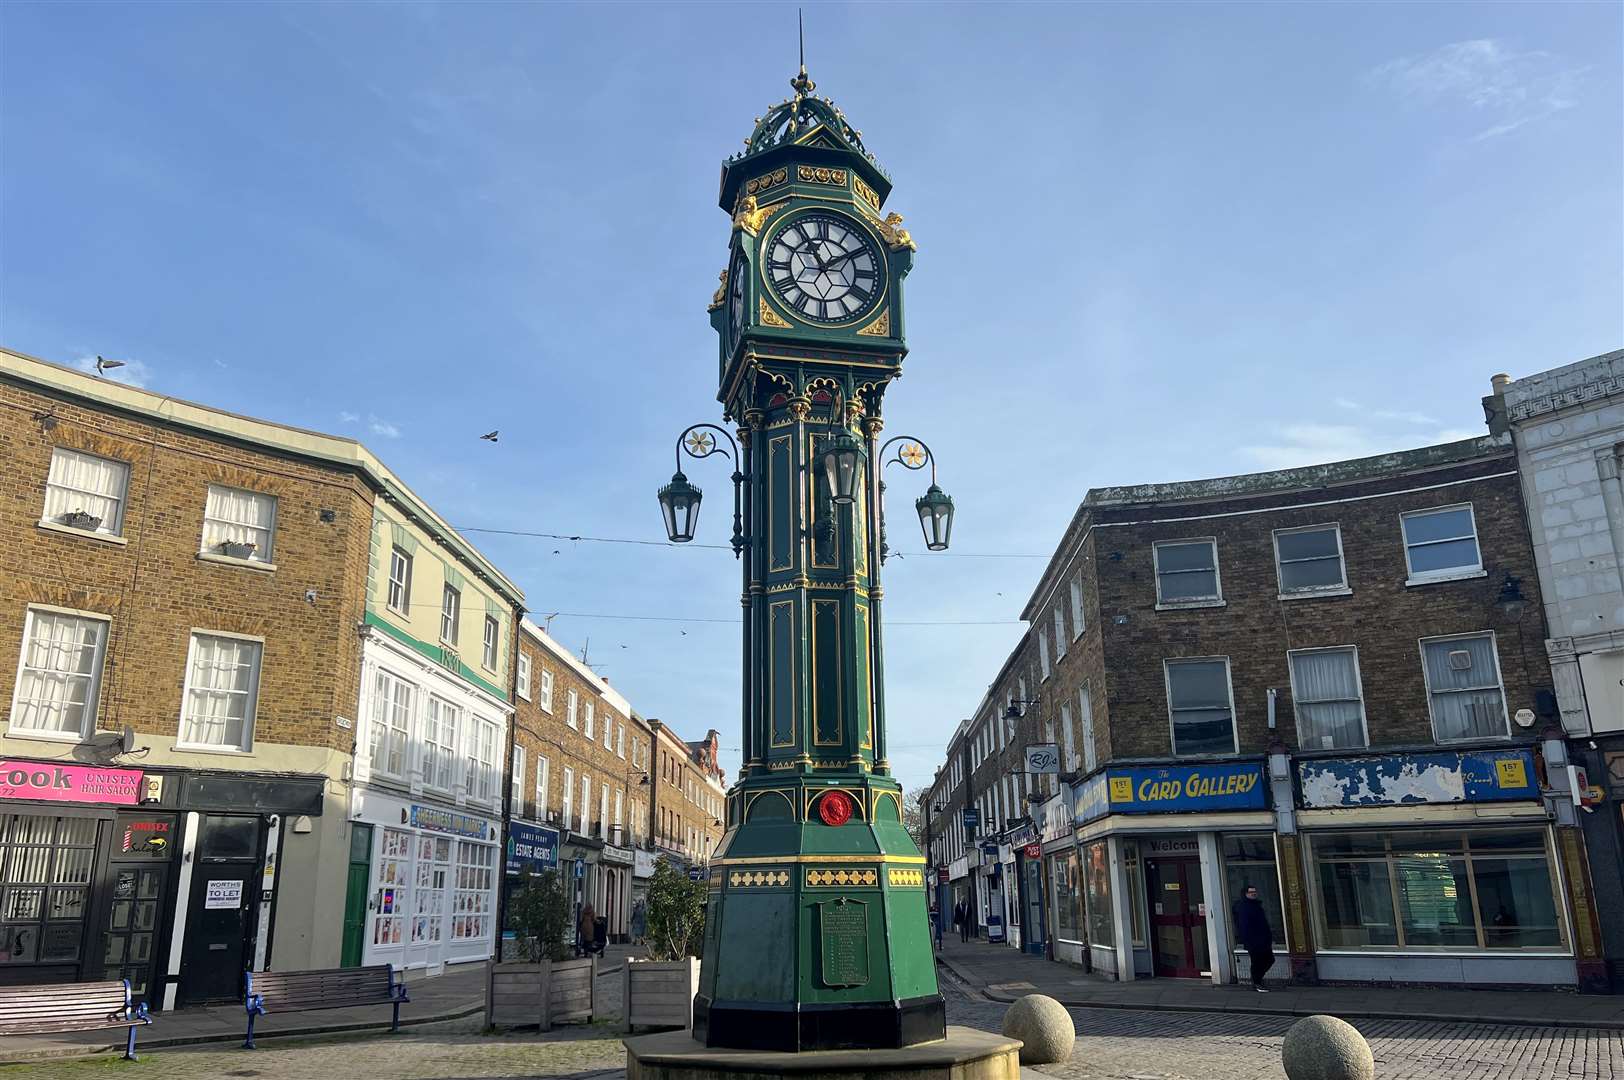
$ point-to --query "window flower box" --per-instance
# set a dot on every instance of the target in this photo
(233, 549)
(81, 519)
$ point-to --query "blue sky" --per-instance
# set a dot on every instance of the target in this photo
(1157, 242)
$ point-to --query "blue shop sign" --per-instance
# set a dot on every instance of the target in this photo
(531, 848)
(1172, 789)
(1407, 779)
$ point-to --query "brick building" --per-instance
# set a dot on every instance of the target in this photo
(1322, 681)
(183, 588)
(689, 804)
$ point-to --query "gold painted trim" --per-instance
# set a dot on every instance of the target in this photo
(772, 672)
(858, 221)
(772, 524)
(875, 805)
(880, 327)
(900, 878)
(842, 877)
(782, 793)
(905, 860)
(758, 879)
(840, 682)
(769, 317)
(861, 614)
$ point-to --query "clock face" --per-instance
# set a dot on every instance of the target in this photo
(735, 300)
(825, 268)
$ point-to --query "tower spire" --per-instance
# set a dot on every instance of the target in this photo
(801, 84)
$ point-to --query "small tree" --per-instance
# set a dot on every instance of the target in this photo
(676, 914)
(540, 910)
(913, 815)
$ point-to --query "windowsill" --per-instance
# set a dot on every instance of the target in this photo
(1477, 739)
(227, 560)
(393, 610)
(1191, 605)
(218, 751)
(523, 697)
(1438, 579)
(56, 738)
(1315, 594)
(84, 534)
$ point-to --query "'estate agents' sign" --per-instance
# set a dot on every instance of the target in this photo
(531, 848)
(50, 782)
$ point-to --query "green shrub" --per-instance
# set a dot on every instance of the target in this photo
(676, 914)
(540, 912)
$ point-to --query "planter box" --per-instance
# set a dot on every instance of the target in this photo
(659, 993)
(544, 994)
(79, 519)
(233, 550)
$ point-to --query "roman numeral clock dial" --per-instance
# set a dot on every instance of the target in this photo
(825, 268)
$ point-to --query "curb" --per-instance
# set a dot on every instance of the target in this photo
(1006, 998)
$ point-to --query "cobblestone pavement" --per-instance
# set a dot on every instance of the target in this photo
(1112, 1045)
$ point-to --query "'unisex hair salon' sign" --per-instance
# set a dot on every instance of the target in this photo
(1172, 789)
(46, 781)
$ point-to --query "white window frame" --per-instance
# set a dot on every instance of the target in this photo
(1342, 588)
(250, 715)
(1499, 679)
(1216, 600)
(450, 612)
(399, 558)
(1085, 703)
(1454, 573)
(586, 805)
(588, 712)
(620, 742)
(572, 708)
(92, 695)
(1229, 683)
(1358, 682)
(603, 810)
(106, 530)
(1079, 618)
(383, 727)
(609, 731)
(522, 687)
(543, 769)
(447, 748)
(546, 701)
(1059, 632)
(518, 780)
(490, 645)
(1043, 653)
(566, 808)
(210, 549)
(480, 753)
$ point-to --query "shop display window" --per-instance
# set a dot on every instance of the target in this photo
(1066, 875)
(476, 880)
(433, 868)
(1443, 890)
(1136, 894)
(391, 889)
(1097, 878)
(45, 871)
(1249, 860)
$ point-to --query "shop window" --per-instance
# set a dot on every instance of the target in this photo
(471, 904)
(238, 524)
(59, 681)
(1328, 699)
(229, 838)
(1249, 860)
(433, 871)
(1201, 706)
(1068, 898)
(1136, 894)
(85, 492)
(391, 891)
(1445, 890)
(1097, 878)
(1463, 688)
(1187, 573)
(391, 724)
(45, 870)
(1309, 561)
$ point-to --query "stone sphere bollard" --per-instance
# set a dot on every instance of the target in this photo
(1044, 1027)
(1325, 1048)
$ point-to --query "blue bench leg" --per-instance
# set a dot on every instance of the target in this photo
(129, 1047)
(249, 1045)
(394, 1025)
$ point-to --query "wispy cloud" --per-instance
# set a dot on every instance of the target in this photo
(382, 427)
(133, 373)
(347, 417)
(1496, 82)
(1314, 443)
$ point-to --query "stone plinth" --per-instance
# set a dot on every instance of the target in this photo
(966, 1054)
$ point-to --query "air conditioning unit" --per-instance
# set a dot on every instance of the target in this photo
(1460, 660)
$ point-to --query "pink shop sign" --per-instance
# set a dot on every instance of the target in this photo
(50, 782)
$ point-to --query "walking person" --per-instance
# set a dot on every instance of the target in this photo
(1256, 936)
(961, 919)
(936, 926)
(585, 927)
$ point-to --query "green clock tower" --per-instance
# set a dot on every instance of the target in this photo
(817, 936)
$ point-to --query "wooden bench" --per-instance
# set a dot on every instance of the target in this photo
(334, 988)
(60, 1007)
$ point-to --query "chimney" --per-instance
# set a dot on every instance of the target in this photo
(1498, 383)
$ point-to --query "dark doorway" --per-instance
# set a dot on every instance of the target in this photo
(219, 923)
(1177, 920)
(355, 894)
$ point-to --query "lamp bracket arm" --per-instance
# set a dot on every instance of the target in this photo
(913, 461)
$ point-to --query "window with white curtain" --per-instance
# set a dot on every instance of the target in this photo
(1059, 631)
(1202, 709)
(1464, 689)
(86, 492)
(524, 675)
(239, 523)
(59, 680)
(391, 724)
(543, 767)
(440, 744)
(482, 760)
(1187, 571)
(1328, 699)
(222, 685)
(1085, 703)
(546, 690)
(1077, 622)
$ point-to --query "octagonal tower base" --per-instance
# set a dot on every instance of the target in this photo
(966, 1054)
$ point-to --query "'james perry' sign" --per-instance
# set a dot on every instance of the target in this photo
(50, 782)
(1173, 789)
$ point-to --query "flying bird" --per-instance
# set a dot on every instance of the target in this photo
(106, 365)
(489, 436)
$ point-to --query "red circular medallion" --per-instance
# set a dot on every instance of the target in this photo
(835, 808)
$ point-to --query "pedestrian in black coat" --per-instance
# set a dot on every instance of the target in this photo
(1256, 936)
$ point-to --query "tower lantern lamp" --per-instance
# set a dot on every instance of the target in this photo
(935, 506)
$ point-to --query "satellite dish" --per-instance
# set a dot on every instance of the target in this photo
(126, 740)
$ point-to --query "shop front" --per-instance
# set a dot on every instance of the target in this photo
(642, 874)
(432, 877)
(1050, 866)
(1157, 847)
(613, 890)
(531, 849)
(1434, 868)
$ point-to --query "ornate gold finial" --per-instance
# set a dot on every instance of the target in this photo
(801, 84)
(895, 235)
(721, 292)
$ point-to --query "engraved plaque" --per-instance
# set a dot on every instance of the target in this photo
(843, 925)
